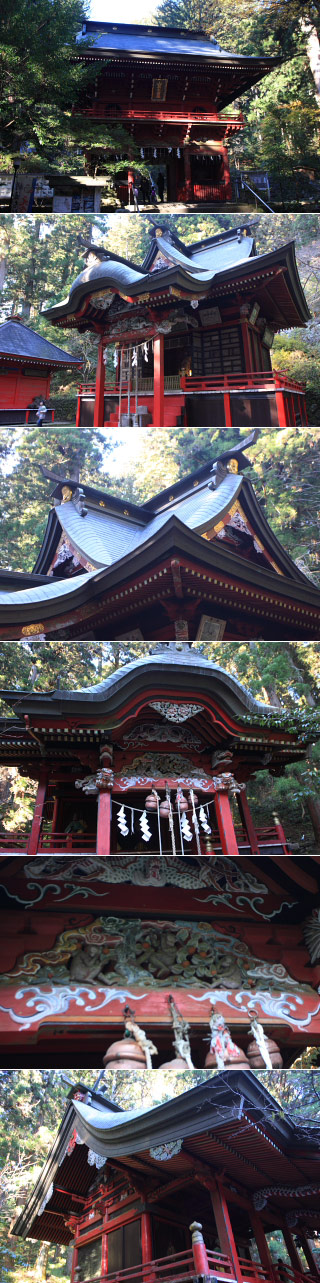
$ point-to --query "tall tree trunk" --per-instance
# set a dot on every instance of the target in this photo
(313, 52)
(314, 811)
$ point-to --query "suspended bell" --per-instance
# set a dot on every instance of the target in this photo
(238, 1061)
(151, 802)
(255, 1058)
(195, 798)
(165, 809)
(125, 1054)
(177, 1066)
(181, 800)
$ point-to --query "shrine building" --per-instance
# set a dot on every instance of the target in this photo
(27, 362)
(172, 90)
(192, 1188)
(156, 758)
(139, 961)
(198, 561)
(193, 328)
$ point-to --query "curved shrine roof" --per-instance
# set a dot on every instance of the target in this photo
(171, 667)
(207, 268)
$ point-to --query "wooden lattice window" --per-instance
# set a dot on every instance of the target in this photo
(159, 90)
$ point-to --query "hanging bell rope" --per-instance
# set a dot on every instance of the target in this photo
(194, 799)
(180, 1033)
(221, 1043)
(133, 1030)
(256, 1028)
(171, 820)
(178, 798)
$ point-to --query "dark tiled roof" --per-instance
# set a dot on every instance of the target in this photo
(17, 339)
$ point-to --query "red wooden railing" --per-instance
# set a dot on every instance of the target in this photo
(181, 1266)
(16, 839)
(265, 380)
(168, 113)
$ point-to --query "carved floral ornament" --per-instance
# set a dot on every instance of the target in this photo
(176, 712)
(311, 931)
(115, 951)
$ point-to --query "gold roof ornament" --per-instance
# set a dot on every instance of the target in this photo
(66, 494)
(233, 465)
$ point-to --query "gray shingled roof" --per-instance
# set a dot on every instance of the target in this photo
(104, 538)
(162, 42)
(17, 339)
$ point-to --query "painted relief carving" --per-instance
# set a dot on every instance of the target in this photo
(166, 733)
(116, 950)
(226, 882)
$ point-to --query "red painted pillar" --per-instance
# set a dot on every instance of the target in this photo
(54, 822)
(225, 823)
(247, 821)
(227, 409)
(78, 412)
(310, 1258)
(291, 1249)
(146, 1238)
(226, 174)
(38, 814)
(147, 1248)
(103, 844)
(281, 408)
(201, 1263)
(187, 173)
(98, 419)
(261, 1241)
(224, 1228)
(158, 381)
(246, 347)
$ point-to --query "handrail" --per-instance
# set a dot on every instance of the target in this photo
(256, 194)
(245, 380)
(166, 1268)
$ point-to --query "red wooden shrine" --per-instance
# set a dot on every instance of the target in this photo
(172, 91)
(156, 758)
(193, 327)
(27, 362)
(125, 1191)
(197, 561)
(193, 939)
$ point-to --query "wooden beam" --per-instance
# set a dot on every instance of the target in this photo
(297, 875)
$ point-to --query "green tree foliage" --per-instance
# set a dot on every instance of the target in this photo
(25, 494)
(41, 84)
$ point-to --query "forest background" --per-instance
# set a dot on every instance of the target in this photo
(42, 128)
(32, 1104)
(40, 256)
